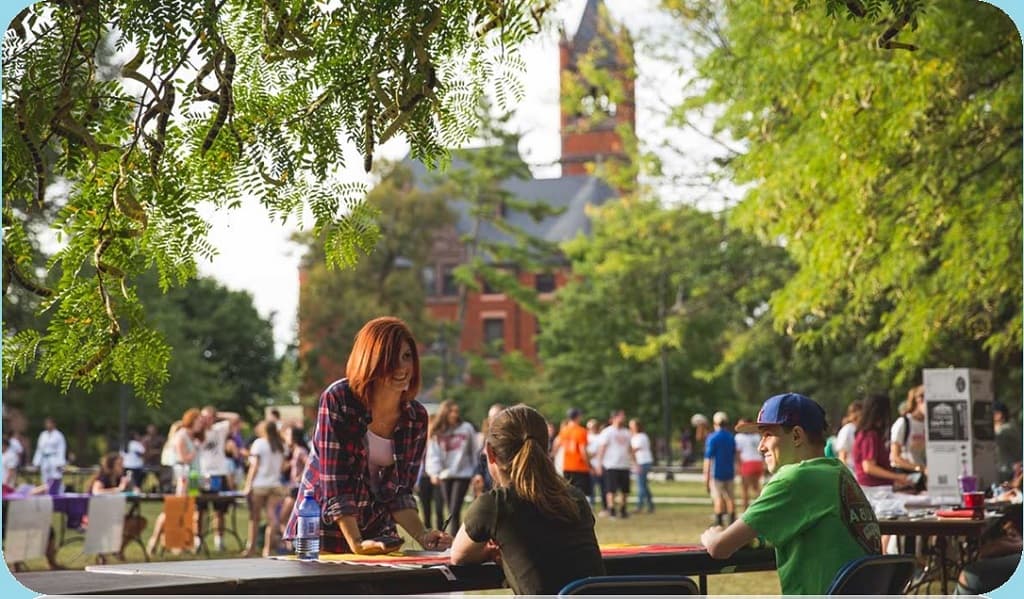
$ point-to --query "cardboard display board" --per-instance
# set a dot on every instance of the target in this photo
(27, 528)
(961, 437)
(106, 524)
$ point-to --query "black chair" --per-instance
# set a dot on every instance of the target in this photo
(874, 575)
(654, 584)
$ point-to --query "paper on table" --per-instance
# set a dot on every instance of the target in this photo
(426, 553)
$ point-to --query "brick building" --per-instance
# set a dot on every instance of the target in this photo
(584, 139)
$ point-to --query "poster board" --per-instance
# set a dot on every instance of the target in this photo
(960, 435)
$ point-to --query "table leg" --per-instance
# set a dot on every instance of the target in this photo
(943, 565)
(702, 583)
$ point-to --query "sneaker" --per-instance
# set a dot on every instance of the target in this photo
(604, 514)
(623, 513)
(218, 543)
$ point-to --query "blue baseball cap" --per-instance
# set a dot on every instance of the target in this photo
(789, 409)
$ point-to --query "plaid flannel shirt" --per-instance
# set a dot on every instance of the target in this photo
(338, 468)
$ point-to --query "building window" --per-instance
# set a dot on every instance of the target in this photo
(494, 334)
(449, 286)
(544, 282)
(430, 280)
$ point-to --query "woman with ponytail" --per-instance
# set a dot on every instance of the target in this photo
(533, 522)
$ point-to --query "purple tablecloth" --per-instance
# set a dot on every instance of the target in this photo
(73, 505)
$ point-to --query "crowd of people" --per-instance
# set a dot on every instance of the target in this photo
(536, 488)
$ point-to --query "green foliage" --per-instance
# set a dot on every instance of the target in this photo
(655, 279)
(220, 352)
(511, 380)
(479, 182)
(121, 118)
(891, 178)
(334, 304)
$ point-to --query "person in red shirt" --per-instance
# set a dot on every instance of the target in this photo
(572, 440)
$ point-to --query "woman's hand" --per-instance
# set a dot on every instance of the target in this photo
(369, 547)
(434, 540)
(492, 553)
(435, 480)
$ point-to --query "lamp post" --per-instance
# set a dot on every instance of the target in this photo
(666, 408)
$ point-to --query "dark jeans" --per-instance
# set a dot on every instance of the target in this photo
(454, 492)
(430, 497)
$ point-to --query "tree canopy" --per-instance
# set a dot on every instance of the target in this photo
(222, 353)
(122, 118)
(891, 178)
(653, 278)
(334, 304)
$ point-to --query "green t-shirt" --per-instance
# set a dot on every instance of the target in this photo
(539, 554)
(816, 515)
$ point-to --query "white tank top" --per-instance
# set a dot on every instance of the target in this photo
(381, 451)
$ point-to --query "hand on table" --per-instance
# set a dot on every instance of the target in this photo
(709, 534)
(374, 547)
(492, 552)
(434, 540)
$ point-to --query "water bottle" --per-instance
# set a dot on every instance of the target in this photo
(307, 532)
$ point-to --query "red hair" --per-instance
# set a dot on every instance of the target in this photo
(376, 354)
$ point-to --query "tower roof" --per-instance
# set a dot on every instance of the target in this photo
(596, 26)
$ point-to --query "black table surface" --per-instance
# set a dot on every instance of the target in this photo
(270, 576)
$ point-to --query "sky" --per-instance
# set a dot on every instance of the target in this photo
(255, 253)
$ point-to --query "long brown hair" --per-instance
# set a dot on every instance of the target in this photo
(107, 463)
(440, 423)
(268, 430)
(376, 353)
(519, 439)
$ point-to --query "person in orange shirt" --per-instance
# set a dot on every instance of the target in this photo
(572, 440)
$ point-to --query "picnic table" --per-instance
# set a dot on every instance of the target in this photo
(288, 576)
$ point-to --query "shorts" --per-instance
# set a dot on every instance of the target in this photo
(219, 481)
(616, 480)
(721, 489)
(751, 468)
(581, 481)
(275, 491)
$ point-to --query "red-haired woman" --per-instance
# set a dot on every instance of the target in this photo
(368, 445)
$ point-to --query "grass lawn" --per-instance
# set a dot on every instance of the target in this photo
(671, 523)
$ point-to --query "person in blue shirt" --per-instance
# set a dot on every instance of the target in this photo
(720, 468)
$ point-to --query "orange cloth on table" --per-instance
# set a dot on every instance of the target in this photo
(179, 522)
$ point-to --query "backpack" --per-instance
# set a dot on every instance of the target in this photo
(906, 429)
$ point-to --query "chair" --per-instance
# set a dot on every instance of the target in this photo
(639, 584)
(874, 575)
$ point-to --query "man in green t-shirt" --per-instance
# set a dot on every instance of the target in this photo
(812, 510)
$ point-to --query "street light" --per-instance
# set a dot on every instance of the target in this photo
(677, 308)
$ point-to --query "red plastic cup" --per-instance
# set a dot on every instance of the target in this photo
(975, 499)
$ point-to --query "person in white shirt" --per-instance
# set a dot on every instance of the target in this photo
(641, 445)
(907, 435)
(843, 444)
(451, 459)
(133, 459)
(214, 466)
(51, 454)
(616, 458)
(263, 486)
(10, 459)
(751, 462)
